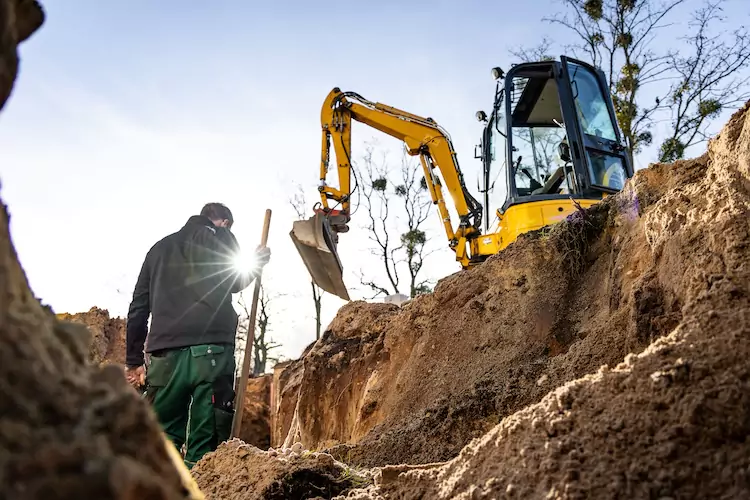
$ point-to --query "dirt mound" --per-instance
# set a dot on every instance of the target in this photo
(256, 416)
(416, 384)
(68, 429)
(240, 471)
(108, 335)
(671, 422)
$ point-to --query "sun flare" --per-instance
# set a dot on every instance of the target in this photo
(244, 262)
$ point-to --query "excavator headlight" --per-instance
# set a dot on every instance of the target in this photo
(497, 73)
(481, 116)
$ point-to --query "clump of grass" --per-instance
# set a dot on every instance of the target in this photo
(354, 477)
(572, 237)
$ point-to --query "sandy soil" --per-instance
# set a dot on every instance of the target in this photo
(256, 416)
(107, 335)
(68, 428)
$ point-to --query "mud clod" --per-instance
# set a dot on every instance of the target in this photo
(240, 471)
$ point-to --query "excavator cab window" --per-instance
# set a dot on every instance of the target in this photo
(607, 164)
(536, 132)
(498, 144)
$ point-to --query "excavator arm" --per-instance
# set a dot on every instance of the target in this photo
(316, 238)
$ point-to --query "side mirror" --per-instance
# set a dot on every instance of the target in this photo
(563, 149)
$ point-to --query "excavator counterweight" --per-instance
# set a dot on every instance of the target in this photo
(316, 244)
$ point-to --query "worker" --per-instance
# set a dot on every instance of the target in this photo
(186, 285)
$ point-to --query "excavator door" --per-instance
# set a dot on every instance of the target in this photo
(316, 243)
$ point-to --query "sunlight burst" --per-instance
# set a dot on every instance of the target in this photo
(245, 262)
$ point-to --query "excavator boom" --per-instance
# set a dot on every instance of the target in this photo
(316, 238)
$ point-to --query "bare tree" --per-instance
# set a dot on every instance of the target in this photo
(381, 196)
(262, 343)
(618, 36)
(299, 203)
(412, 191)
(708, 81)
(377, 200)
(540, 52)
(623, 37)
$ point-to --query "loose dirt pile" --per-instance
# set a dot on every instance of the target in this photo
(107, 335)
(666, 260)
(671, 422)
(239, 471)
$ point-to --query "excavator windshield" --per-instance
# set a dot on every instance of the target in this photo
(608, 167)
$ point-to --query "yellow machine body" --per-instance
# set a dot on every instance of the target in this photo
(519, 219)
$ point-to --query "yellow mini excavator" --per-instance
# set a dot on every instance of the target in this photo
(550, 142)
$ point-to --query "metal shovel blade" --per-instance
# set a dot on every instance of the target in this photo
(316, 245)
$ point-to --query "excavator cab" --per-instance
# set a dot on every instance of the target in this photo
(552, 138)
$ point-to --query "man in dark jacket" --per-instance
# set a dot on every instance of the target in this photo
(186, 286)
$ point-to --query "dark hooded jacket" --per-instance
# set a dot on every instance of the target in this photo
(186, 285)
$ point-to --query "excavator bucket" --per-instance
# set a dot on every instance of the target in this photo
(316, 244)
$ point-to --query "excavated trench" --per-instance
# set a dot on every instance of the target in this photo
(601, 357)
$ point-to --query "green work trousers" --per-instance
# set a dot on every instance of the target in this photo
(191, 390)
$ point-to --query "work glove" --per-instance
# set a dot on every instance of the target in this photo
(262, 255)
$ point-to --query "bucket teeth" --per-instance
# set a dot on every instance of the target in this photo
(316, 244)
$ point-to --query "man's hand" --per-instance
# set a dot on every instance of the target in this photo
(262, 256)
(136, 376)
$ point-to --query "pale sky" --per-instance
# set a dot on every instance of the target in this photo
(126, 119)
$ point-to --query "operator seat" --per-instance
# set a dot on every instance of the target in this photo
(552, 184)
